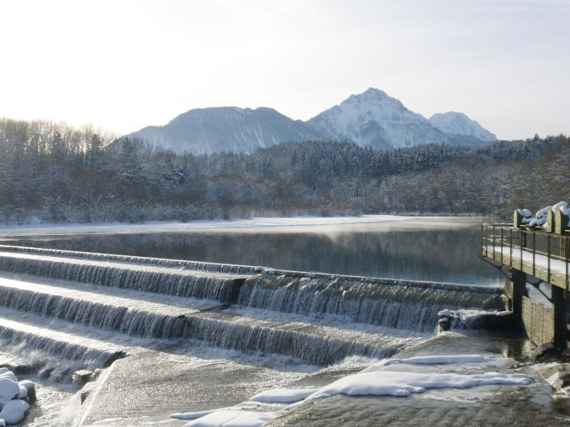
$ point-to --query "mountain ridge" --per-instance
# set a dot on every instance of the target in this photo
(457, 123)
(371, 118)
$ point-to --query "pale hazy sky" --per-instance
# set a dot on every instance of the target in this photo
(124, 64)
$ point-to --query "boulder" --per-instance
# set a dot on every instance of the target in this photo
(23, 393)
(14, 411)
(82, 377)
(30, 390)
(9, 389)
(560, 379)
(8, 375)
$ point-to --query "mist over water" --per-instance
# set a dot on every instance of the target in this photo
(448, 255)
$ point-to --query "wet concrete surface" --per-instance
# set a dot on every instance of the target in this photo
(145, 389)
(148, 387)
(501, 408)
(531, 405)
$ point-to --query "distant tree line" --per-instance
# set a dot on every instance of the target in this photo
(56, 173)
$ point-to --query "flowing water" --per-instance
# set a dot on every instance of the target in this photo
(236, 291)
(442, 250)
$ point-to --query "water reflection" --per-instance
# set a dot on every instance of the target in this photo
(439, 255)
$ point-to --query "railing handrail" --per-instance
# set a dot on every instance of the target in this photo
(534, 242)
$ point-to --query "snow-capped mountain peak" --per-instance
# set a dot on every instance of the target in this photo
(374, 118)
(455, 123)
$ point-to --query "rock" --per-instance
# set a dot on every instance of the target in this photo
(562, 404)
(23, 393)
(8, 375)
(9, 389)
(30, 390)
(443, 324)
(96, 373)
(82, 377)
(23, 369)
(545, 353)
(86, 391)
(559, 380)
(14, 411)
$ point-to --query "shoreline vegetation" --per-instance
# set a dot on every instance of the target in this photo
(56, 174)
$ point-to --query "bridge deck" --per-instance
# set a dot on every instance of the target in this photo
(545, 256)
(540, 255)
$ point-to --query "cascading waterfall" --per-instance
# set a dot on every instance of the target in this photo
(316, 349)
(77, 356)
(97, 315)
(178, 283)
(136, 260)
(391, 303)
(407, 305)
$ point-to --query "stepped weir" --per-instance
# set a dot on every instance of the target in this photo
(65, 304)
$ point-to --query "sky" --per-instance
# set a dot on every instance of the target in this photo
(120, 65)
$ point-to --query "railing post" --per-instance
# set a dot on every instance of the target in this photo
(567, 256)
(493, 231)
(560, 321)
(548, 243)
(481, 239)
(502, 245)
(511, 247)
(534, 254)
(521, 249)
(518, 279)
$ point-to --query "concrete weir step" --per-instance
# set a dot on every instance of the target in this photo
(143, 314)
(28, 334)
(170, 279)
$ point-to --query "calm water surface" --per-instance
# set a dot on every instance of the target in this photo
(449, 255)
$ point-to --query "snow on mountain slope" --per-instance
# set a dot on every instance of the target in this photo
(454, 123)
(371, 118)
(375, 119)
(210, 130)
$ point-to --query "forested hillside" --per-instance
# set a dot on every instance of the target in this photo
(59, 174)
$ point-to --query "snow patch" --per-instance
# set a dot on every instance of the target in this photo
(283, 395)
(403, 384)
(434, 360)
(233, 418)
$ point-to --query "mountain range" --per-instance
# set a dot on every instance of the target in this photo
(371, 118)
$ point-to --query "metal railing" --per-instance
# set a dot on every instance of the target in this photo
(520, 248)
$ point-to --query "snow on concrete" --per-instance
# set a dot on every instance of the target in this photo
(195, 414)
(403, 384)
(541, 261)
(379, 379)
(233, 418)
(434, 360)
(283, 395)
